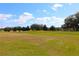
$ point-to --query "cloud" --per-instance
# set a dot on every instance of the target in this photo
(55, 7)
(57, 21)
(28, 14)
(25, 17)
(5, 16)
(49, 21)
(28, 17)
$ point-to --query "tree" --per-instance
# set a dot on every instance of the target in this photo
(14, 29)
(23, 28)
(45, 28)
(27, 28)
(8, 29)
(64, 27)
(72, 22)
(36, 27)
(18, 28)
(52, 28)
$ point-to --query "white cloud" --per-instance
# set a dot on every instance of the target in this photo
(28, 14)
(55, 21)
(5, 16)
(55, 7)
(25, 17)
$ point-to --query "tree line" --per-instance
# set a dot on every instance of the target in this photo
(33, 27)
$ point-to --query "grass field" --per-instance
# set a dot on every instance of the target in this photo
(39, 43)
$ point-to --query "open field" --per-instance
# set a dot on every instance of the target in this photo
(39, 43)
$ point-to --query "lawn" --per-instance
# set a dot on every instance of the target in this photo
(39, 43)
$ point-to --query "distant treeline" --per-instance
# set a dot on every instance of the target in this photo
(33, 27)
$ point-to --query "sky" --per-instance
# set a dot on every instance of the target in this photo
(26, 14)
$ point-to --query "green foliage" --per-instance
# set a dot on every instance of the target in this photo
(45, 28)
(8, 29)
(52, 28)
(72, 22)
(36, 27)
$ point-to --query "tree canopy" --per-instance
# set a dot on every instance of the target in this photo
(72, 22)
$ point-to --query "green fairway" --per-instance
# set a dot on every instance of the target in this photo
(39, 43)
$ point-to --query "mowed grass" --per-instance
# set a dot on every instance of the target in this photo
(39, 43)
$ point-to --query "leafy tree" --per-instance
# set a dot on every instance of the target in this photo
(23, 28)
(52, 28)
(18, 28)
(45, 28)
(14, 29)
(8, 29)
(72, 22)
(27, 28)
(36, 27)
(64, 27)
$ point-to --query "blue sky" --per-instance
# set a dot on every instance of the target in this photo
(25, 14)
